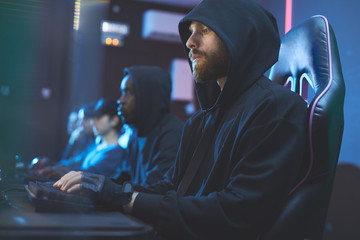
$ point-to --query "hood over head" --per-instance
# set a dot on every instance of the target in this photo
(250, 34)
(152, 87)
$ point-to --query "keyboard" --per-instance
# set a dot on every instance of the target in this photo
(46, 198)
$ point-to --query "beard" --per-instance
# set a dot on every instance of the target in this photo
(212, 66)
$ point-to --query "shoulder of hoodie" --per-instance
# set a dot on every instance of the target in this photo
(280, 94)
(266, 96)
(194, 120)
(168, 122)
(266, 91)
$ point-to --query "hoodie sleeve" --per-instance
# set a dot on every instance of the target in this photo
(163, 151)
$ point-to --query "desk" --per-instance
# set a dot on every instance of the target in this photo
(18, 220)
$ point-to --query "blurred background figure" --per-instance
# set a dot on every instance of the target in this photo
(72, 122)
(82, 138)
(106, 157)
(145, 105)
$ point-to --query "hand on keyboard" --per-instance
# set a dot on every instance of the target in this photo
(80, 181)
(46, 190)
(108, 192)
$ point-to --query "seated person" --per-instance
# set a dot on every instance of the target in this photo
(241, 154)
(82, 138)
(145, 105)
(107, 157)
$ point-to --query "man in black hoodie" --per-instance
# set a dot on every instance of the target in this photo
(145, 105)
(241, 154)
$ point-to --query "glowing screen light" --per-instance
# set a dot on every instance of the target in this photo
(108, 41)
(115, 28)
(77, 14)
(113, 33)
(115, 42)
(288, 15)
(34, 161)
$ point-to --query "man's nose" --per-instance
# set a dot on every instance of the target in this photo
(192, 42)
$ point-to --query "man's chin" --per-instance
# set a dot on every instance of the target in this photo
(199, 74)
(199, 78)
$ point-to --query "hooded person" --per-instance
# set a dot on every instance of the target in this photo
(241, 154)
(145, 105)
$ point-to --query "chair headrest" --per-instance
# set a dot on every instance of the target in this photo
(309, 52)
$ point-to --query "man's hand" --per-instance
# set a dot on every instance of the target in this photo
(113, 196)
(80, 181)
(128, 207)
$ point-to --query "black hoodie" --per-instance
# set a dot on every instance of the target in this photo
(154, 145)
(248, 140)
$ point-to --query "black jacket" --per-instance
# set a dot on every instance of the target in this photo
(249, 138)
(153, 147)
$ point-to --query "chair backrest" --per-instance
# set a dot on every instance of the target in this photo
(309, 63)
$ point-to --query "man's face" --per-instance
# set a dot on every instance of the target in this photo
(127, 103)
(208, 54)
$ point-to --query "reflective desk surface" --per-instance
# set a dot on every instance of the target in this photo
(19, 220)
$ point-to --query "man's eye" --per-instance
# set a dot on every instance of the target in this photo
(205, 30)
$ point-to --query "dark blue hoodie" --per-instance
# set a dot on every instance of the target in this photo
(246, 143)
(156, 138)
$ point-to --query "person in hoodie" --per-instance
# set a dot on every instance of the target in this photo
(145, 105)
(241, 154)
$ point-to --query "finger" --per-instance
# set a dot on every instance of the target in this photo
(75, 178)
(57, 184)
(74, 188)
(63, 179)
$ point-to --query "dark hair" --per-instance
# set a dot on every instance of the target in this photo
(109, 107)
(104, 106)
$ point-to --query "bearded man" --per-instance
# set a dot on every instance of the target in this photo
(241, 154)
